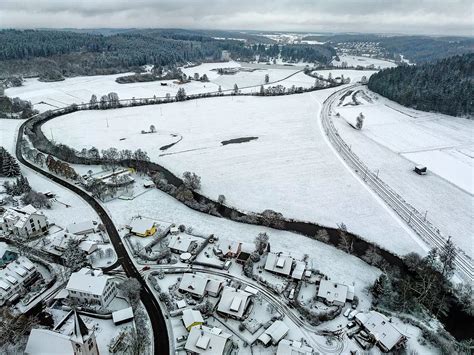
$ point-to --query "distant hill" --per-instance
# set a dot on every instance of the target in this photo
(445, 86)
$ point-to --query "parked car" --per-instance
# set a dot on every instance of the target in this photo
(351, 325)
(346, 312)
(352, 314)
(145, 268)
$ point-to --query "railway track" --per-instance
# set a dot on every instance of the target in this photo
(415, 220)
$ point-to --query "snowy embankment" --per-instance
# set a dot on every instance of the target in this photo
(290, 168)
(394, 139)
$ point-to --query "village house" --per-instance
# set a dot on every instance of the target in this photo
(274, 333)
(279, 264)
(81, 228)
(122, 316)
(142, 227)
(198, 286)
(233, 303)
(333, 293)
(15, 277)
(293, 347)
(6, 255)
(88, 286)
(192, 318)
(181, 243)
(385, 334)
(23, 222)
(208, 341)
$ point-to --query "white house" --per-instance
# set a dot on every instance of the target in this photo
(334, 293)
(385, 333)
(181, 243)
(14, 277)
(208, 341)
(193, 284)
(192, 318)
(80, 228)
(274, 333)
(279, 263)
(293, 347)
(233, 302)
(24, 222)
(88, 286)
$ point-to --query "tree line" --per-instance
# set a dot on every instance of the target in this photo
(445, 86)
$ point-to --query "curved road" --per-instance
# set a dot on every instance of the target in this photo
(160, 337)
(425, 230)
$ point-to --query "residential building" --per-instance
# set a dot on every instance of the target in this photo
(274, 333)
(208, 341)
(298, 270)
(92, 287)
(192, 318)
(24, 222)
(333, 293)
(181, 243)
(234, 303)
(214, 287)
(6, 255)
(386, 335)
(122, 316)
(293, 347)
(231, 250)
(81, 228)
(15, 277)
(142, 227)
(279, 263)
(81, 341)
(193, 284)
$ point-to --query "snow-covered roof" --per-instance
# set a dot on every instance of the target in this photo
(88, 246)
(191, 316)
(232, 247)
(181, 304)
(122, 315)
(278, 263)
(384, 331)
(298, 271)
(292, 347)
(251, 290)
(87, 281)
(81, 227)
(19, 216)
(213, 286)
(332, 291)
(207, 341)
(192, 283)
(141, 225)
(16, 272)
(233, 301)
(47, 342)
(275, 332)
(180, 242)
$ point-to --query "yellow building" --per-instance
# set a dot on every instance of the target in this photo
(192, 318)
(142, 227)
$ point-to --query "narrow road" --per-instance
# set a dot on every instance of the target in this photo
(415, 220)
(160, 337)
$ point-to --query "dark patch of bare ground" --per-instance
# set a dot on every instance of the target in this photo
(239, 140)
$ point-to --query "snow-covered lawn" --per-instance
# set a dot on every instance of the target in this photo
(354, 61)
(290, 168)
(394, 139)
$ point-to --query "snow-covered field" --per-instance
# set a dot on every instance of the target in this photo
(290, 168)
(394, 139)
(354, 61)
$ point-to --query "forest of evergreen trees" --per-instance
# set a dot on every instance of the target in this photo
(53, 54)
(445, 86)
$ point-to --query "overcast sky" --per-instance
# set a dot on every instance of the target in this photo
(446, 17)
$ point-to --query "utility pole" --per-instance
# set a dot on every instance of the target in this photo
(52, 137)
(426, 212)
(107, 120)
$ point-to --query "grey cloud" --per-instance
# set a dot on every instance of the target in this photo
(403, 16)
